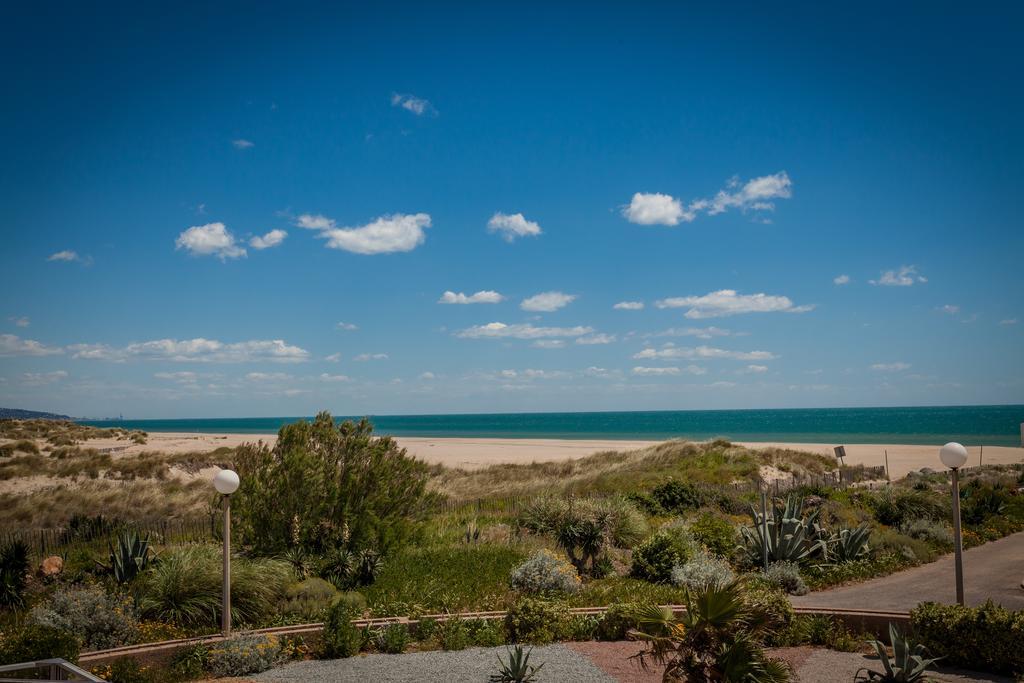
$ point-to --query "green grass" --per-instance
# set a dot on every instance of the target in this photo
(445, 578)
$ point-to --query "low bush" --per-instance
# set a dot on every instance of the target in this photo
(453, 634)
(33, 642)
(581, 627)
(894, 506)
(125, 670)
(703, 570)
(980, 500)
(773, 605)
(341, 638)
(185, 588)
(392, 639)
(928, 530)
(820, 630)
(654, 559)
(987, 638)
(308, 599)
(818, 577)
(534, 620)
(486, 632)
(243, 655)
(885, 541)
(13, 573)
(616, 621)
(544, 573)
(786, 576)
(716, 534)
(98, 619)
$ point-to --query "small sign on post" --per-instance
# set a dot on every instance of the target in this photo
(840, 454)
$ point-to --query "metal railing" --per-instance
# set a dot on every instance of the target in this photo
(53, 669)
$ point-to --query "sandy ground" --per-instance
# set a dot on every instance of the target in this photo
(474, 453)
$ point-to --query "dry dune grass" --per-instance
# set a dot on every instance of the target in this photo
(713, 462)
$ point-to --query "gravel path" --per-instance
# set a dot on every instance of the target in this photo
(475, 664)
(993, 570)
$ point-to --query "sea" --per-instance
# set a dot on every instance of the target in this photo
(971, 425)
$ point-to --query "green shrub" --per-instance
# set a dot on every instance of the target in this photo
(33, 642)
(128, 670)
(885, 541)
(309, 599)
(185, 588)
(243, 655)
(786, 576)
(581, 627)
(703, 570)
(99, 620)
(486, 632)
(986, 638)
(679, 496)
(894, 506)
(716, 534)
(14, 568)
(341, 638)
(654, 559)
(616, 621)
(928, 530)
(534, 620)
(325, 485)
(190, 662)
(545, 572)
(426, 629)
(980, 500)
(392, 639)
(773, 605)
(453, 634)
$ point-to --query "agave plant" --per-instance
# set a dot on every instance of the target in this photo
(130, 557)
(717, 638)
(790, 537)
(849, 544)
(908, 663)
(517, 668)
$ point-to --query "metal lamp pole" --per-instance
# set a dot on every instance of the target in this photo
(226, 482)
(953, 456)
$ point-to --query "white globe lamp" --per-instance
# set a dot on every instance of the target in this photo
(226, 482)
(953, 455)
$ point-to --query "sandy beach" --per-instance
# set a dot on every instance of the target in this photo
(475, 453)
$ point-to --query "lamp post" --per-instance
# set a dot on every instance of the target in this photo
(226, 483)
(953, 456)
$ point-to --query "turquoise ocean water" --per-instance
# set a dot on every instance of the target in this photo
(970, 425)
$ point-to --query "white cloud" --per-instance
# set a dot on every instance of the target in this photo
(38, 379)
(485, 296)
(195, 350)
(67, 256)
(212, 239)
(704, 352)
(531, 373)
(20, 321)
(546, 302)
(498, 330)
(387, 234)
(722, 385)
(268, 377)
(755, 369)
(949, 309)
(841, 280)
(666, 371)
(629, 306)
(347, 327)
(698, 332)
(363, 357)
(548, 344)
(271, 239)
(727, 302)
(242, 143)
(890, 367)
(324, 377)
(1008, 321)
(654, 208)
(314, 222)
(333, 358)
(601, 338)
(905, 276)
(754, 195)
(427, 376)
(416, 105)
(512, 226)
(13, 345)
(594, 371)
(183, 377)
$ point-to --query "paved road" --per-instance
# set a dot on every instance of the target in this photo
(994, 570)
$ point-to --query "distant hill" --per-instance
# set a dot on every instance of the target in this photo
(19, 414)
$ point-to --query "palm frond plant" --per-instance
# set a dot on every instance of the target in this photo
(907, 665)
(717, 638)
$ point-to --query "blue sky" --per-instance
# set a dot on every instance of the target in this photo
(227, 211)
